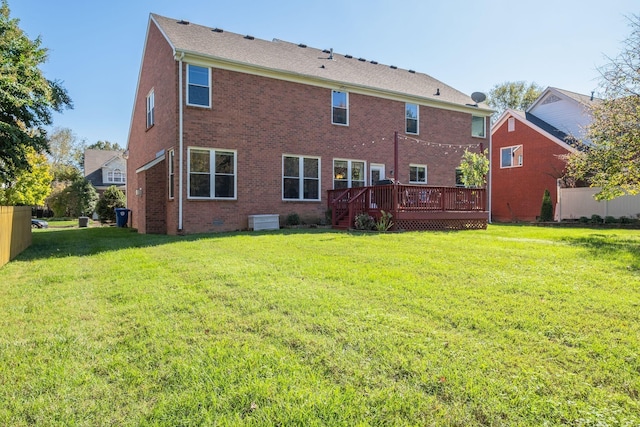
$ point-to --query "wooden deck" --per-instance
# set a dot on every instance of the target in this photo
(413, 207)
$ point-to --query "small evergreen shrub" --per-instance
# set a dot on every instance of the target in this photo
(596, 219)
(546, 211)
(293, 219)
(111, 199)
(610, 220)
(583, 220)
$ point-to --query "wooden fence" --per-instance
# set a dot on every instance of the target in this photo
(15, 231)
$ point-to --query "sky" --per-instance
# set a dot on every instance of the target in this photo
(95, 47)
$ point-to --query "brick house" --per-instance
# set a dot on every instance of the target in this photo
(527, 150)
(225, 126)
(104, 168)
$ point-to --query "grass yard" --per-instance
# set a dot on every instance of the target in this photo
(508, 326)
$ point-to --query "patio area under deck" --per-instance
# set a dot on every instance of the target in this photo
(413, 207)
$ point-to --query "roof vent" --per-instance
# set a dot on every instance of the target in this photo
(348, 56)
(218, 30)
(412, 71)
(183, 22)
(248, 37)
(326, 51)
(437, 92)
(393, 67)
(374, 62)
(362, 59)
(302, 45)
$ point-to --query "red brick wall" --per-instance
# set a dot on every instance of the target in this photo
(516, 193)
(264, 118)
(154, 198)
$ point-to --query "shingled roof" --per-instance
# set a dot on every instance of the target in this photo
(300, 61)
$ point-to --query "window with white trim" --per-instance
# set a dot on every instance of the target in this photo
(300, 178)
(172, 156)
(511, 157)
(348, 173)
(198, 86)
(478, 126)
(116, 176)
(151, 103)
(212, 174)
(418, 174)
(411, 118)
(339, 108)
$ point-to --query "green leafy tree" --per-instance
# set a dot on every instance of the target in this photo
(546, 211)
(612, 161)
(515, 95)
(105, 145)
(27, 98)
(77, 199)
(30, 187)
(474, 168)
(65, 153)
(111, 198)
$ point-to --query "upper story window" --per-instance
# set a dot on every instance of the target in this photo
(151, 103)
(300, 178)
(348, 173)
(511, 157)
(116, 176)
(418, 174)
(478, 126)
(198, 86)
(212, 174)
(339, 108)
(411, 118)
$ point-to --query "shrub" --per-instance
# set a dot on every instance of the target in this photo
(625, 220)
(111, 199)
(546, 211)
(293, 219)
(610, 219)
(364, 221)
(596, 219)
(384, 223)
(583, 219)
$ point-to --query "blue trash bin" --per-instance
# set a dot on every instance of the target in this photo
(122, 216)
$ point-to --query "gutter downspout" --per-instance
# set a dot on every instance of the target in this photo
(490, 168)
(180, 143)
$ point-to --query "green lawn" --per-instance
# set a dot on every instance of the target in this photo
(508, 326)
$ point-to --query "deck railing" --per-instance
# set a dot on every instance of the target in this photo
(346, 204)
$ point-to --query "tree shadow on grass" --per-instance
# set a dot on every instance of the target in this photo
(606, 245)
(94, 240)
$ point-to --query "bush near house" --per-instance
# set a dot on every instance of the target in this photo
(111, 199)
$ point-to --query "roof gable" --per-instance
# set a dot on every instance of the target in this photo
(97, 159)
(298, 62)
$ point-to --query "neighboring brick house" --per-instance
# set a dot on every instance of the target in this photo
(225, 126)
(527, 152)
(104, 168)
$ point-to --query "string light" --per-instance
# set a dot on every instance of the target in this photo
(431, 144)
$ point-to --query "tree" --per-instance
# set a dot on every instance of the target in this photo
(77, 199)
(612, 160)
(515, 95)
(474, 167)
(111, 198)
(29, 187)
(546, 210)
(105, 145)
(27, 98)
(65, 149)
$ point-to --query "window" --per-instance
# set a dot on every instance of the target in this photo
(150, 108)
(212, 174)
(459, 182)
(339, 108)
(411, 118)
(511, 124)
(348, 174)
(115, 176)
(300, 178)
(198, 86)
(418, 174)
(477, 126)
(172, 156)
(511, 157)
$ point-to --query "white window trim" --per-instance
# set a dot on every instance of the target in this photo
(212, 186)
(417, 132)
(208, 83)
(426, 178)
(151, 105)
(349, 179)
(484, 127)
(171, 172)
(347, 101)
(302, 177)
(515, 163)
(111, 177)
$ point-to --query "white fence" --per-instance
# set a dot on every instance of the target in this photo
(576, 202)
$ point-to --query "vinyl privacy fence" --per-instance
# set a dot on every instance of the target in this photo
(15, 231)
(574, 203)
